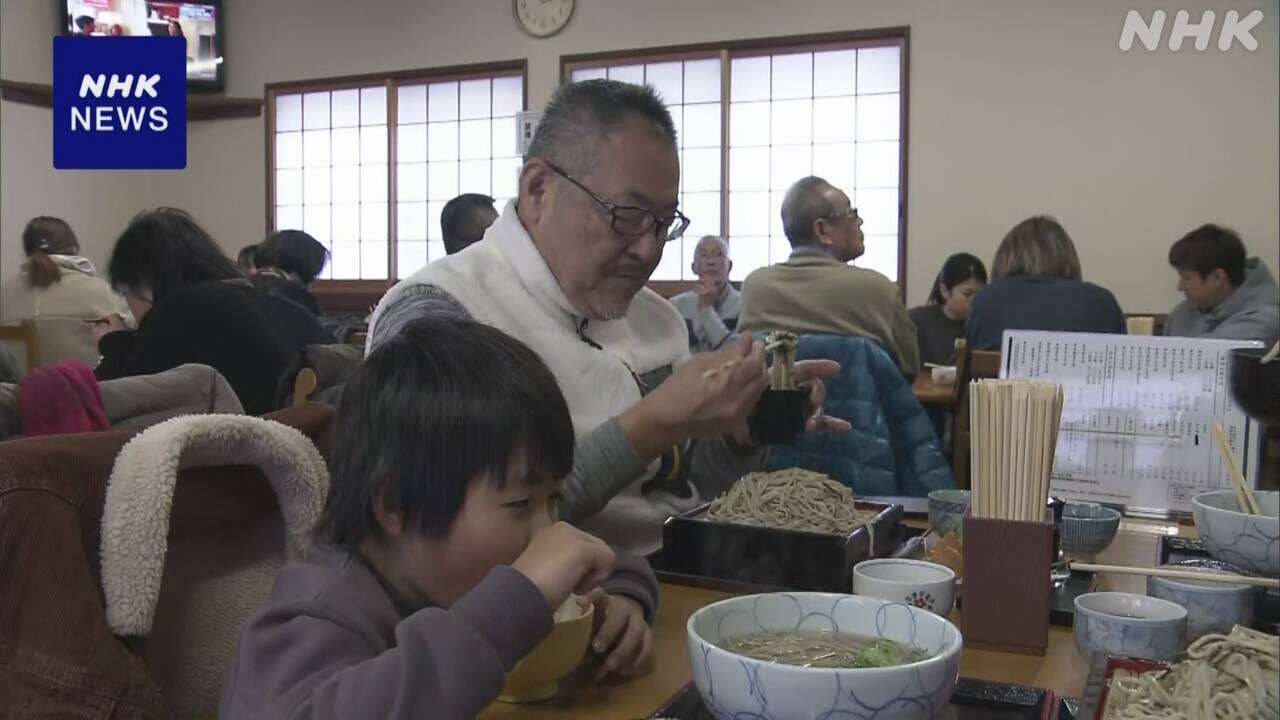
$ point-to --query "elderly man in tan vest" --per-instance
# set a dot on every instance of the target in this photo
(816, 290)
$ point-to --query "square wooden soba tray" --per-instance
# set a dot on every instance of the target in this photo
(697, 546)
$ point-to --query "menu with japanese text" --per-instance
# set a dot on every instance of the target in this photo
(1138, 414)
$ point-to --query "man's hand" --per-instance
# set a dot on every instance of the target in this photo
(709, 395)
(707, 291)
(810, 373)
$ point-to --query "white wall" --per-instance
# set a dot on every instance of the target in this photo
(1016, 107)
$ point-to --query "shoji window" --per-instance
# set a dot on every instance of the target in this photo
(365, 164)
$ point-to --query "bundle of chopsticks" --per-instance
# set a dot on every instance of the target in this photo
(1014, 426)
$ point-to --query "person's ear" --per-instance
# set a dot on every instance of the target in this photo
(820, 234)
(535, 190)
(1219, 277)
(728, 267)
(390, 518)
(944, 292)
(693, 267)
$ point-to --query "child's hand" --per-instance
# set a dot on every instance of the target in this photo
(622, 632)
(562, 559)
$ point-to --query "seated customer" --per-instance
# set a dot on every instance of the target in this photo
(1227, 296)
(1036, 285)
(440, 562)
(816, 290)
(58, 290)
(464, 219)
(193, 306)
(711, 311)
(287, 262)
(940, 322)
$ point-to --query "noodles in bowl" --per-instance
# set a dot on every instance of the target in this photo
(823, 649)
(808, 654)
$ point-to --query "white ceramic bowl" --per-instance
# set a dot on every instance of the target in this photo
(1250, 541)
(735, 686)
(928, 586)
(1212, 607)
(1129, 624)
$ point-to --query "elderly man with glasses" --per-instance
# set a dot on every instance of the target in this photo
(816, 290)
(564, 270)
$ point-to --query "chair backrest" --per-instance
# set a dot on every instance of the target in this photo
(984, 364)
(962, 367)
(23, 334)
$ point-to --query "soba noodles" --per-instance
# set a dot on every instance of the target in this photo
(793, 499)
(1226, 677)
(819, 649)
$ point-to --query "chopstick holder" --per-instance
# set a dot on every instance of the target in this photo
(1006, 585)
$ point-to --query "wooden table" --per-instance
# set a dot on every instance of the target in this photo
(929, 392)
(1060, 669)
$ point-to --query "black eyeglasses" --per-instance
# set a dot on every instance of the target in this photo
(634, 220)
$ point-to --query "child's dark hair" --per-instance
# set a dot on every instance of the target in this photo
(433, 409)
(165, 249)
(958, 268)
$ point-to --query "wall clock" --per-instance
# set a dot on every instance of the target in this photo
(542, 18)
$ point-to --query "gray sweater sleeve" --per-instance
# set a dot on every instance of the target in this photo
(604, 462)
(445, 663)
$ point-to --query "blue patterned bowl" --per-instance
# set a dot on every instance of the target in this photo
(1088, 528)
(735, 686)
(1250, 541)
(1129, 624)
(1212, 607)
(946, 511)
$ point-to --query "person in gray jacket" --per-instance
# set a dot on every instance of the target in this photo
(711, 310)
(438, 562)
(1228, 296)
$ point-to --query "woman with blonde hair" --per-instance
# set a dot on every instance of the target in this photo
(60, 293)
(1036, 285)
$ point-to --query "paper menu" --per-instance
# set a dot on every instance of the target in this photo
(1138, 412)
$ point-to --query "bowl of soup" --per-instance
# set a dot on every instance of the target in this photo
(808, 655)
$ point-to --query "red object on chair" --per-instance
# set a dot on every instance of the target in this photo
(59, 399)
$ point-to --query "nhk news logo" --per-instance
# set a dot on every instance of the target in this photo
(119, 103)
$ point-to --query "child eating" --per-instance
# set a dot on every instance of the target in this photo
(438, 564)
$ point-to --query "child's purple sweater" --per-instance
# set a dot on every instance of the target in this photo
(329, 642)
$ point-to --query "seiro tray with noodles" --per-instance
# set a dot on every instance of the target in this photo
(1220, 677)
(789, 529)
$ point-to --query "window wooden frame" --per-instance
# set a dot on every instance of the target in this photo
(732, 49)
(355, 296)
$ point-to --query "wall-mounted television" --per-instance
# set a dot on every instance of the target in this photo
(199, 23)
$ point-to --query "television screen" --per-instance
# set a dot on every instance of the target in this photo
(196, 22)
